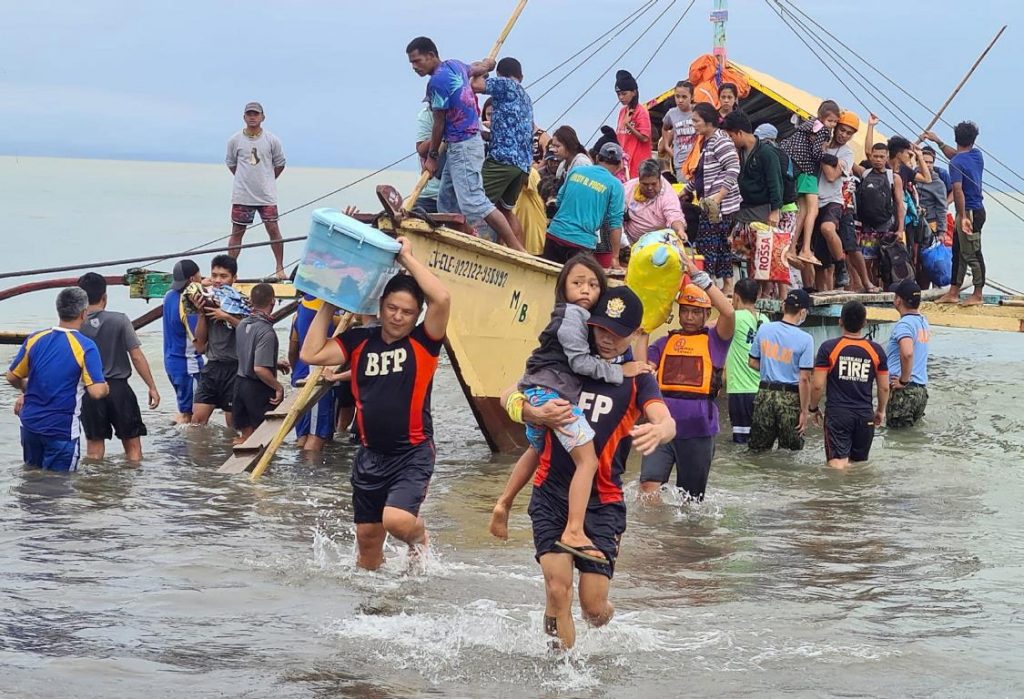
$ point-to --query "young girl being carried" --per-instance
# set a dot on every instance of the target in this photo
(805, 147)
(553, 371)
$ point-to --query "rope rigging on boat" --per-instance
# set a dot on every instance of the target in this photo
(781, 12)
(614, 63)
(892, 82)
(866, 84)
(648, 63)
(624, 23)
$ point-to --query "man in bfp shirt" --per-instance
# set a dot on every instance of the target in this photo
(613, 412)
(844, 371)
(784, 355)
(907, 355)
(393, 367)
(52, 369)
(457, 122)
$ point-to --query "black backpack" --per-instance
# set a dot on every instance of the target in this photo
(875, 206)
(894, 261)
(788, 175)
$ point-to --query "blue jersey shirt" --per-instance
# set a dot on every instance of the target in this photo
(783, 350)
(449, 90)
(512, 123)
(58, 364)
(180, 355)
(589, 197)
(304, 315)
(967, 168)
(915, 326)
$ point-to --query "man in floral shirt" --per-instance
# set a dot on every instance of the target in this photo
(506, 168)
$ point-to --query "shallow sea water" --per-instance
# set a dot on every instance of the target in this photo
(899, 577)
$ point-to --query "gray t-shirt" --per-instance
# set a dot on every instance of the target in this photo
(832, 192)
(220, 342)
(683, 134)
(254, 160)
(115, 336)
(256, 344)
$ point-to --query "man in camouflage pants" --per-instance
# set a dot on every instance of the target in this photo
(784, 356)
(907, 356)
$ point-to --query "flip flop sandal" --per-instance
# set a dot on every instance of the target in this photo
(812, 259)
(580, 552)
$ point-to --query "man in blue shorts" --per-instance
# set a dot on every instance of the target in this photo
(393, 367)
(907, 355)
(784, 355)
(844, 371)
(181, 361)
(52, 369)
(613, 412)
(315, 427)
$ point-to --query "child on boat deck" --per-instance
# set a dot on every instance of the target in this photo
(553, 371)
(806, 147)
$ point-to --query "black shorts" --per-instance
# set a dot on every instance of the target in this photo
(118, 413)
(557, 251)
(603, 524)
(217, 384)
(390, 480)
(741, 415)
(830, 213)
(250, 403)
(848, 232)
(848, 435)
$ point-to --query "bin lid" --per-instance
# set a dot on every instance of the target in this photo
(334, 219)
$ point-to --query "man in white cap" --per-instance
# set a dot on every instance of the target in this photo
(256, 159)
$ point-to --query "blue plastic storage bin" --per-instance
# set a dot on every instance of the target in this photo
(346, 262)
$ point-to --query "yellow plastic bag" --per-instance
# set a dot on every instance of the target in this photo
(655, 272)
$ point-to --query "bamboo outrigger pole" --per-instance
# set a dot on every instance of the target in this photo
(298, 408)
(963, 81)
(425, 176)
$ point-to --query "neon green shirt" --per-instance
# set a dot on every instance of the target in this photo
(740, 378)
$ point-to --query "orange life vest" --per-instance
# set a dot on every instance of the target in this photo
(685, 369)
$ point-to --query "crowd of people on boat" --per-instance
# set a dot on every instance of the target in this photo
(596, 387)
(802, 211)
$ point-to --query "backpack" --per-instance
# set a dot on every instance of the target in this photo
(788, 175)
(875, 204)
(894, 261)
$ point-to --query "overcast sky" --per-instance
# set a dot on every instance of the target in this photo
(168, 80)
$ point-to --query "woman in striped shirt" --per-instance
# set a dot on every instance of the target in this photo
(716, 184)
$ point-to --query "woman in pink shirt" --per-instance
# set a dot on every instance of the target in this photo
(652, 204)
(634, 128)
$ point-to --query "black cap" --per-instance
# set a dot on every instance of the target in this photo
(619, 311)
(184, 270)
(798, 298)
(908, 290)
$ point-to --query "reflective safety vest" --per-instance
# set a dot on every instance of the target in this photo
(685, 369)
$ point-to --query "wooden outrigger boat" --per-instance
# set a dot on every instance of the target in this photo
(502, 299)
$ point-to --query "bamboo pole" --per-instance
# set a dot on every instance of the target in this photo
(425, 176)
(297, 409)
(963, 81)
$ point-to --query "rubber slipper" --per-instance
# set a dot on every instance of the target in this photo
(580, 552)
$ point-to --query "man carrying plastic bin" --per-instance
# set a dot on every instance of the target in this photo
(393, 367)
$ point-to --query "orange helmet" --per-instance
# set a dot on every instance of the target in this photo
(849, 119)
(693, 295)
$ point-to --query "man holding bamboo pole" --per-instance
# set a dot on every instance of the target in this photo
(457, 123)
(393, 367)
